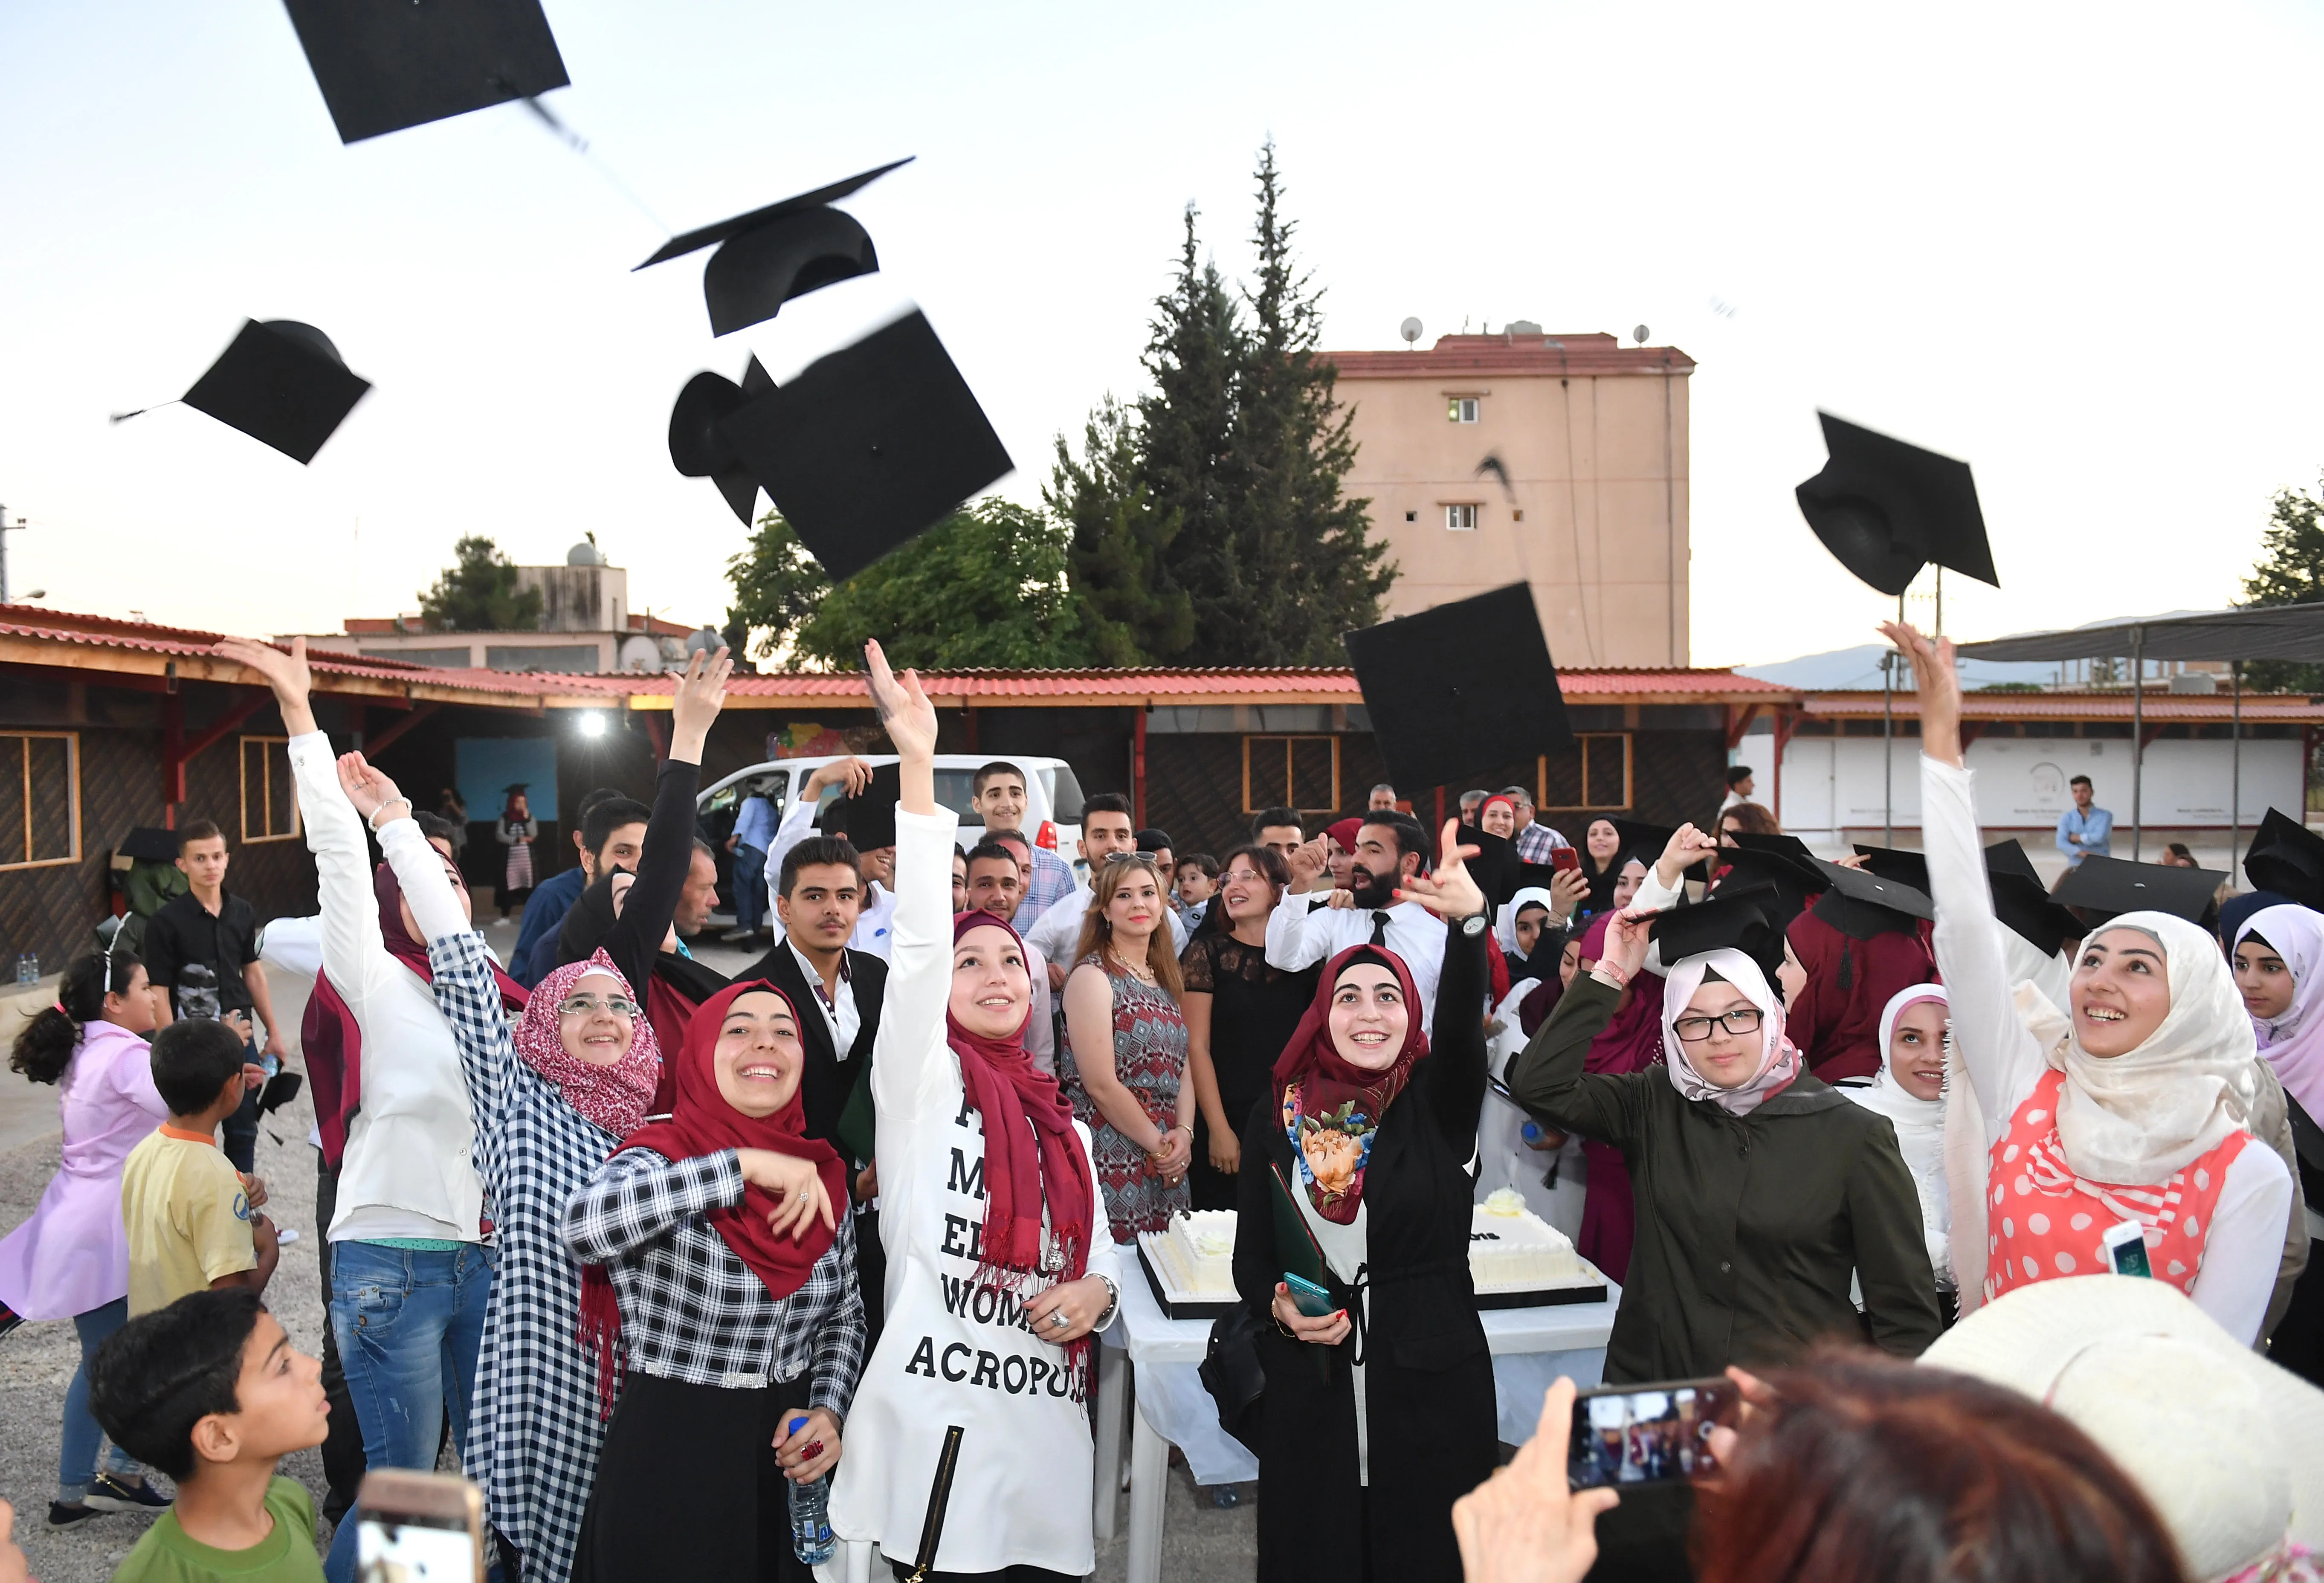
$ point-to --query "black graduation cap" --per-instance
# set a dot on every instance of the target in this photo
(785, 250)
(1641, 839)
(699, 448)
(281, 384)
(1901, 864)
(1496, 866)
(1790, 880)
(1534, 876)
(1749, 920)
(2287, 857)
(2008, 857)
(1460, 689)
(869, 447)
(870, 815)
(2101, 888)
(2026, 906)
(1886, 509)
(149, 844)
(384, 65)
(1861, 904)
(279, 1090)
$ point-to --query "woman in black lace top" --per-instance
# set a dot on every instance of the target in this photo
(1240, 1013)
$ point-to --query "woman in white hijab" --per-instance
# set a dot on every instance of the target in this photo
(1909, 1090)
(2137, 1103)
(2279, 966)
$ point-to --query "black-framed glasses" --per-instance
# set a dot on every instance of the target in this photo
(591, 1005)
(1694, 1030)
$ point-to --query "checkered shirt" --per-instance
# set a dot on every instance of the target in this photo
(1537, 841)
(1051, 881)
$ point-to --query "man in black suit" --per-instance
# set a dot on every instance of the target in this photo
(819, 896)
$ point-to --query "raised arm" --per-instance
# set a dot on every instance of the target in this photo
(638, 1195)
(906, 1053)
(1454, 1071)
(2002, 1059)
(668, 855)
(1549, 1079)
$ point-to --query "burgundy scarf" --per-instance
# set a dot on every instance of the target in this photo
(332, 1043)
(1003, 1085)
(1332, 1109)
(703, 1123)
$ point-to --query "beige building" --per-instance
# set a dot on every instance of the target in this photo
(1593, 436)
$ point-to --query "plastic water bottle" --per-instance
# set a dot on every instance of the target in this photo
(28, 967)
(811, 1539)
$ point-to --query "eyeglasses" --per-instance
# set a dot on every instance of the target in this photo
(591, 1005)
(1694, 1030)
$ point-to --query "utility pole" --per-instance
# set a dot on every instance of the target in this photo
(6, 528)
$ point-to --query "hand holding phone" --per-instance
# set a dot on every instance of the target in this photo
(1648, 1434)
(1309, 1298)
(1564, 857)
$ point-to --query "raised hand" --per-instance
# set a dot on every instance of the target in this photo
(367, 787)
(701, 694)
(1938, 685)
(286, 673)
(1688, 846)
(1567, 891)
(1309, 862)
(850, 774)
(1449, 892)
(1626, 940)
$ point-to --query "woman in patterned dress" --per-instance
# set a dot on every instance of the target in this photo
(1128, 1075)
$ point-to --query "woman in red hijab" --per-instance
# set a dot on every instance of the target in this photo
(969, 1444)
(723, 1282)
(1366, 1149)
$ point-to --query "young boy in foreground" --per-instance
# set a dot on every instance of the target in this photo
(210, 1391)
(191, 1216)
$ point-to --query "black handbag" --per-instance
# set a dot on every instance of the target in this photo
(1231, 1373)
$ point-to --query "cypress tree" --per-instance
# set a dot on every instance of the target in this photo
(1132, 612)
(1185, 440)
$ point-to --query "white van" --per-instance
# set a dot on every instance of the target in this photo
(1053, 798)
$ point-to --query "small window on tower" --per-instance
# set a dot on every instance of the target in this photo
(1462, 409)
(1412, 516)
(1460, 518)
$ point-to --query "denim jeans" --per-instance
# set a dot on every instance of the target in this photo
(409, 1323)
(239, 1136)
(750, 885)
(78, 1464)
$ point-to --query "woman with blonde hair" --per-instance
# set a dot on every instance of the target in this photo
(1128, 1075)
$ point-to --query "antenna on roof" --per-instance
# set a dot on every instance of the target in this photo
(1410, 330)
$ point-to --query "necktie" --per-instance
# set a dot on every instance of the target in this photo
(1379, 929)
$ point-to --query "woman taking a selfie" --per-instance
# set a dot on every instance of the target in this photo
(1760, 1191)
(969, 1444)
(2136, 1103)
(1388, 1388)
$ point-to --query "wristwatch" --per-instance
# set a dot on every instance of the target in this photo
(1472, 925)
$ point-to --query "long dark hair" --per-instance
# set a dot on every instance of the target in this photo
(44, 1045)
(1870, 1471)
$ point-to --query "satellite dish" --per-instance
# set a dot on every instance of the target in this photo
(1639, 334)
(1410, 330)
(707, 641)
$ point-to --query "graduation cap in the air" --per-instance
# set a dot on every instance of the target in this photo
(1496, 867)
(2100, 887)
(280, 382)
(1886, 509)
(1460, 689)
(1748, 919)
(2287, 857)
(869, 447)
(785, 250)
(1861, 904)
(870, 815)
(699, 448)
(384, 65)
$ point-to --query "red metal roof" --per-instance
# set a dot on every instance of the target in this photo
(1454, 356)
(2161, 708)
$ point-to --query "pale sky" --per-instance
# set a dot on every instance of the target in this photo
(2077, 247)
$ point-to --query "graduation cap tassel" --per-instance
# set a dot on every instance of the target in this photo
(580, 145)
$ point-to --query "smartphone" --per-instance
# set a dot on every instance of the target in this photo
(1647, 1434)
(420, 1528)
(1309, 1298)
(2126, 1247)
(1564, 857)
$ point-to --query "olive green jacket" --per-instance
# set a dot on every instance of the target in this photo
(1749, 1227)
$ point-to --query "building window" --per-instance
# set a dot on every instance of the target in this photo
(1412, 516)
(1595, 775)
(40, 798)
(1291, 772)
(1462, 409)
(270, 808)
(1460, 518)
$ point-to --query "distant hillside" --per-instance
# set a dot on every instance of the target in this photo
(1842, 668)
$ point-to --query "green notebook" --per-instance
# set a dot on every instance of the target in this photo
(1297, 1251)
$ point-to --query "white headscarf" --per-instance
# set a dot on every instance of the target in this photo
(2293, 1043)
(1779, 1061)
(1530, 896)
(2141, 1117)
(1920, 1126)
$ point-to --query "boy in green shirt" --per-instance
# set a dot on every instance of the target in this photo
(210, 1391)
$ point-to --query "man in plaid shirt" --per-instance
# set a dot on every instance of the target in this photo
(1534, 841)
(997, 792)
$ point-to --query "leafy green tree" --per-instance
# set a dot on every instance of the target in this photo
(2290, 571)
(987, 587)
(1132, 612)
(478, 593)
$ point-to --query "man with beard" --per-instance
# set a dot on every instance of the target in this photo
(1390, 848)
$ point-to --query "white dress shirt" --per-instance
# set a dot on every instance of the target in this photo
(1297, 938)
(839, 1013)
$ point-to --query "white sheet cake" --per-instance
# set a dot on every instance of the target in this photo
(1198, 1252)
(1513, 1249)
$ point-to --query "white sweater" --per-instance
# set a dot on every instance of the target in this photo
(407, 1170)
(2245, 1245)
(949, 1355)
